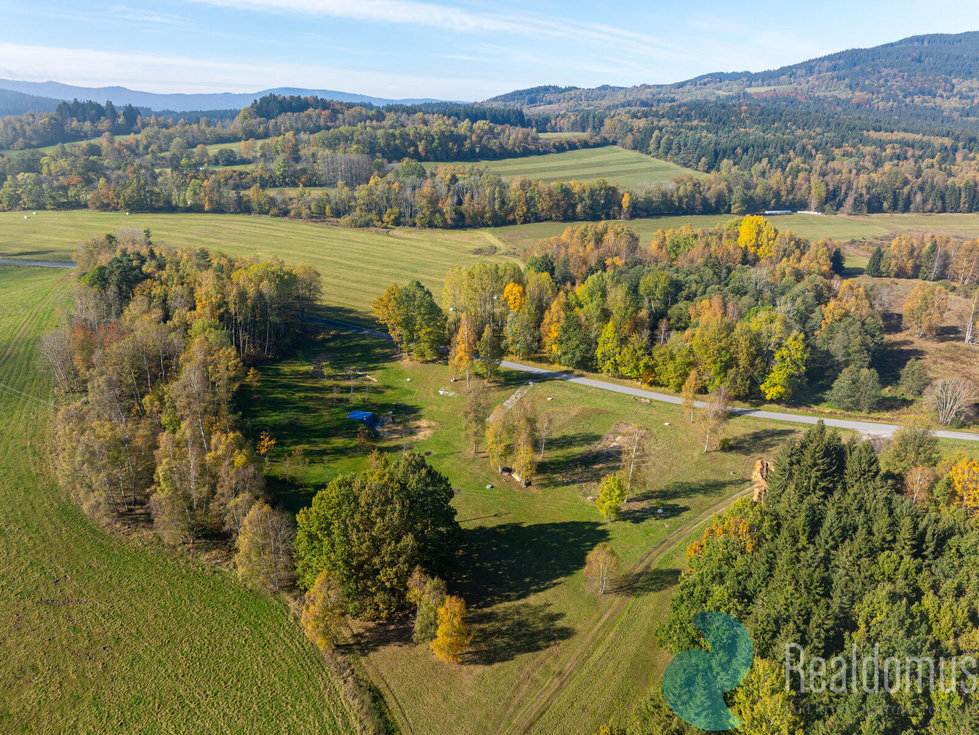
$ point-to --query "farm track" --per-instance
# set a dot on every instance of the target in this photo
(539, 705)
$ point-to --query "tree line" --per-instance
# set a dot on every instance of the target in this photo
(759, 313)
(151, 357)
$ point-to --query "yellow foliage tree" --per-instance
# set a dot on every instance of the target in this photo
(453, 638)
(925, 309)
(513, 294)
(965, 482)
(463, 350)
(322, 617)
(852, 300)
(757, 236)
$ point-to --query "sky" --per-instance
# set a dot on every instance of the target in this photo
(458, 49)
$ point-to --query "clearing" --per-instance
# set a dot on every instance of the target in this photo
(616, 165)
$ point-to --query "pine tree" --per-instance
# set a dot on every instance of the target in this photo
(873, 268)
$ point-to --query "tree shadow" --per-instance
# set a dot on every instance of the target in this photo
(655, 580)
(583, 467)
(511, 561)
(758, 442)
(379, 634)
(892, 360)
(639, 512)
(646, 504)
(504, 632)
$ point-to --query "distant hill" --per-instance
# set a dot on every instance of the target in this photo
(175, 102)
(17, 103)
(938, 72)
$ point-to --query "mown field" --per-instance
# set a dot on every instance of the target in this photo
(616, 165)
(102, 634)
(814, 227)
(357, 265)
(542, 661)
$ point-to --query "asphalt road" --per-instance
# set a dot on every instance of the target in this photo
(864, 427)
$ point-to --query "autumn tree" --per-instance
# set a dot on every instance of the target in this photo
(464, 345)
(602, 568)
(372, 529)
(924, 309)
(788, 370)
(322, 616)
(611, 496)
(453, 637)
(972, 322)
(413, 319)
(689, 392)
(525, 457)
(427, 595)
(914, 445)
(964, 477)
(490, 353)
(952, 400)
(918, 482)
(498, 439)
(763, 703)
(633, 455)
(715, 415)
(474, 411)
(264, 548)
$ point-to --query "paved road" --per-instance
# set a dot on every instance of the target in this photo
(38, 263)
(865, 428)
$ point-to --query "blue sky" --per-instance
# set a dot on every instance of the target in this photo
(458, 49)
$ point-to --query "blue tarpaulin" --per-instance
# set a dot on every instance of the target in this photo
(366, 417)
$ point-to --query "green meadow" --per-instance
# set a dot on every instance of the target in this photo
(616, 165)
(543, 641)
(105, 634)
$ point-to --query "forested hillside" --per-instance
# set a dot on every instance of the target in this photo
(905, 79)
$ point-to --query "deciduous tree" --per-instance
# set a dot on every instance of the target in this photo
(611, 496)
(264, 548)
(453, 637)
(602, 568)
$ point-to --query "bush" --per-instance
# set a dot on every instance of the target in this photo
(914, 378)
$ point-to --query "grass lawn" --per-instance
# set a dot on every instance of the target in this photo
(616, 165)
(524, 548)
(103, 634)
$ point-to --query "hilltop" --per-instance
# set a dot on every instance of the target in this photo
(18, 97)
(922, 76)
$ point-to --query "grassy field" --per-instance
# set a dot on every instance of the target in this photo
(616, 165)
(524, 548)
(813, 227)
(105, 635)
(357, 265)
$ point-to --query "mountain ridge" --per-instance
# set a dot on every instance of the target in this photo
(180, 101)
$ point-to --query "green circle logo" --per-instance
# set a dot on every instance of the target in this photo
(695, 681)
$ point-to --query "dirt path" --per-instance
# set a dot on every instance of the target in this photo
(538, 706)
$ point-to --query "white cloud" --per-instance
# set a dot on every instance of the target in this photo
(170, 74)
